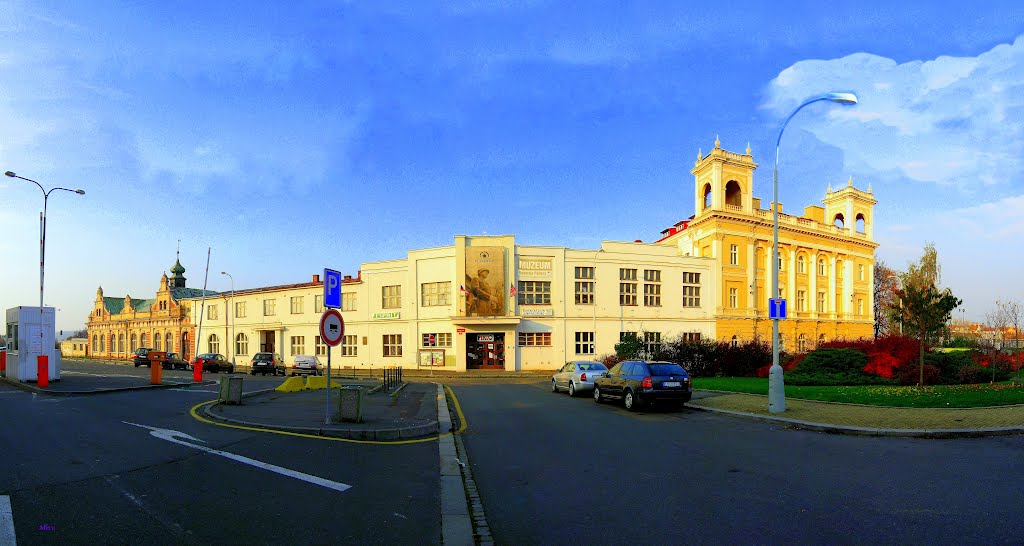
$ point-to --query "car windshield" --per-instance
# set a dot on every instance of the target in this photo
(592, 367)
(262, 356)
(666, 368)
(207, 355)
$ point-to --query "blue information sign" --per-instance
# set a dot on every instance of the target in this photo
(332, 289)
(776, 309)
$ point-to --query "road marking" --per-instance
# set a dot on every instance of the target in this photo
(174, 435)
(193, 390)
(102, 374)
(6, 522)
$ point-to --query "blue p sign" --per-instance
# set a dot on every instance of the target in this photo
(332, 289)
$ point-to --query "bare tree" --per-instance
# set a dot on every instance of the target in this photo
(886, 284)
(1014, 315)
(996, 319)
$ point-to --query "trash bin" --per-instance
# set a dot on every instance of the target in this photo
(350, 404)
(231, 389)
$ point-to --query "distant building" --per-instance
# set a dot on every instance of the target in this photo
(74, 347)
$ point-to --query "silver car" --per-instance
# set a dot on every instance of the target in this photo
(307, 365)
(577, 376)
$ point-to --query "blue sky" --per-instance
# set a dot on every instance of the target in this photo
(295, 136)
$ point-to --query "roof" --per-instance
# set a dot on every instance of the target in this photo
(186, 293)
(243, 291)
(177, 268)
(113, 305)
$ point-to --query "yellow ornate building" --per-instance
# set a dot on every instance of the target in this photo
(119, 325)
(826, 256)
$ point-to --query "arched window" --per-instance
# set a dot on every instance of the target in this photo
(801, 267)
(839, 269)
(95, 343)
(241, 344)
(120, 343)
(801, 344)
(839, 221)
(214, 343)
(821, 267)
(861, 223)
(112, 345)
(733, 195)
(157, 345)
(170, 342)
(143, 340)
(186, 347)
(821, 340)
(135, 341)
(707, 196)
(734, 342)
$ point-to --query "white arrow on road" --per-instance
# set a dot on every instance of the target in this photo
(177, 437)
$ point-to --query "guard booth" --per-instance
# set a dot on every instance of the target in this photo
(27, 339)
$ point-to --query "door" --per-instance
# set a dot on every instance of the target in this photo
(267, 341)
(485, 351)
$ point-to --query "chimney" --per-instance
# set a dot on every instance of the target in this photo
(316, 279)
(347, 278)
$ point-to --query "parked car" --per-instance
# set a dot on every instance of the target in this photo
(141, 357)
(264, 363)
(306, 365)
(213, 363)
(636, 382)
(577, 376)
(175, 362)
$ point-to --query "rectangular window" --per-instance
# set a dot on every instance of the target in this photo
(780, 262)
(624, 335)
(348, 301)
(534, 292)
(691, 289)
(296, 305)
(627, 274)
(441, 339)
(318, 303)
(652, 288)
(391, 297)
(348, 346)
(585, 273)
(392, 344)
(321, 347)
(534, 339)
(269, 308)
(690, 336)
(821, 302)
(435, 293)
(211, 312)
(585, 287)
(860, 306)
(298, 345)
(652, 343)
(860, 271)
(239, 309)
(627, 293)
(801, 300)
(733, 298)
(734, 255)
(584, 343)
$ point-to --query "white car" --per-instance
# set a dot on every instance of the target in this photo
(577, 376)
(307, 365)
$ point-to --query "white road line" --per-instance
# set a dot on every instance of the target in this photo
(6, 522)
(103, 374)
(173, 435)
(193, 390)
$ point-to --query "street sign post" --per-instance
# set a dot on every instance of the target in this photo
(332, 330)
(332, 289)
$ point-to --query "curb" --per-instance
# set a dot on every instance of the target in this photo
(37, 390)
(863, 431)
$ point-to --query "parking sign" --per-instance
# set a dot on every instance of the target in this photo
(332, 289)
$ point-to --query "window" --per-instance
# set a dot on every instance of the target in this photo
(320, 346)
(142, 340)
(585, 288)
(860, 306)
(297, 305)
(821, 302)
(348, 346)
(348, 301)
(734, 255)
(839, 270)
(690, 336)
(782, 292)
(442, 339)
(624, 335)
(298, 345)
(534, 292)
(735, 342)
(801, 266)
(134, 345)
(821, 340)
(318, 304)
(269, 308)
(120, 343)
(652, 343)
(860, 272)
(801, 300)
(436, 293)
(652, 287)
(213, 343)
(627, 290)
(801, 344)
(96, 344)
(211, 312)
(781, 263)
(169, 342)
(241, 344)
(691, 289)
(239, 309)
(782, 343)
(391, 297)
(534, 339)
(821, 266)
(584, 343)
(392, 344)
(733, 298)
(627, 274)
(157, 343)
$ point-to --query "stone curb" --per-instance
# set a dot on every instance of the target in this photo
(456, 525)
(863, 431)
(38, 390)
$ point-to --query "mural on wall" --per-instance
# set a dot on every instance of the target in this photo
(485, 281)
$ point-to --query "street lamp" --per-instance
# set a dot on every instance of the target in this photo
(231, 302)
(776, 387)
(42, 240)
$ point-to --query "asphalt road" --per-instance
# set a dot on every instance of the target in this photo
(76, 473)
(555, 470)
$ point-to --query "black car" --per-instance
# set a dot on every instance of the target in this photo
(213, 362)
(175, 362)
(636, 382)
(264, 363)
(141, 357)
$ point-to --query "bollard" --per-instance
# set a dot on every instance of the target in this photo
(43, 371)
(3, 363)
(155, 372)
(197, 371)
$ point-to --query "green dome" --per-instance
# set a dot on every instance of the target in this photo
(177, 268)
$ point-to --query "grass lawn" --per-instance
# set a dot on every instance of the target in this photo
(938, 396)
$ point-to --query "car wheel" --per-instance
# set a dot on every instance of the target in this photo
(572, 389)
(554, 387)
(597, 394)
(628, 400)
(136, 364)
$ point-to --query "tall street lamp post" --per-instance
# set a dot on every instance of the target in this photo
(776, 387)
(229, 310)
(42, 241)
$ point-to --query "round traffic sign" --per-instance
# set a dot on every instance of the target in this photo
(332, 327)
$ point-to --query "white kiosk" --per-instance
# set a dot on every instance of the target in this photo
(27, 339)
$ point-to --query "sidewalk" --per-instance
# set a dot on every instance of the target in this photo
(79, 383)
(868, 420)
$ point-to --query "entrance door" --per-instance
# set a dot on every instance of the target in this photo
(267, 341)
(485, 351)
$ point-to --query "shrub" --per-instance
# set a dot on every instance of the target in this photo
(910, 375)
(709, 358)
(610, 360)
(948, 365)
(834, 367)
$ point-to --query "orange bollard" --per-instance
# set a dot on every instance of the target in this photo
(43, 371)
(197, 372)
(155, 372)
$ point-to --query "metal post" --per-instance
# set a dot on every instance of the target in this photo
(327, 410)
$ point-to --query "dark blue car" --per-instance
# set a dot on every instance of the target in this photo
(636, 382)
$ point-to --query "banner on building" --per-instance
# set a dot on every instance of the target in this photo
(535, 268)
(485, 281)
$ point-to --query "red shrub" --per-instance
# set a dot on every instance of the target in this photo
(882, 365)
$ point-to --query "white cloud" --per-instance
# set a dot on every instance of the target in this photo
(1003, 219)
(955, 121)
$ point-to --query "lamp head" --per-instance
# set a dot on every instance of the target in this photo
(10, 174)
(842, 98)
(223, 272)
(80, 192)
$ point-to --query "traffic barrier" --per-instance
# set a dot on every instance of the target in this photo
(292, 384)
(392, 377)
(155, 372)
(197, 372)
(3, 363)
(43, 371)
(317, 382)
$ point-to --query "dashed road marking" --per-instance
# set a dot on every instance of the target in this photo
(6, 522)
